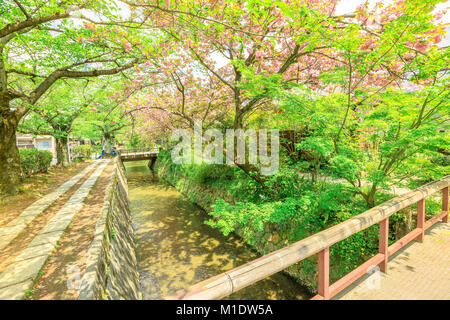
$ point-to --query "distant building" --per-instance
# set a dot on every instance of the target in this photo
(39, 142)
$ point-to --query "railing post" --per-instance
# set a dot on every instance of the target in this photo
(384, 243)
(421, 219)
(445, 203)
(324, 273)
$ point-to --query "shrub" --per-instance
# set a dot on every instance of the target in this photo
(83, 151)
(35, 161)
(207, 173)
(201, 173)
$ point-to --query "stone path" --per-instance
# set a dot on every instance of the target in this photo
(18, 276)
(418, 271)
(16, 226)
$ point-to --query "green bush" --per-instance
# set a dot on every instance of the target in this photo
(288, 209)
(83, 151)
(201, 173)
(34, 161)
(206, 173)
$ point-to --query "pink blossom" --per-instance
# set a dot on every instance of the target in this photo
(422, 46)
(90, 26)
(438, 15)
(396, 66)
(369, 44)
(409, 55)
(437, 38)
(391, 17)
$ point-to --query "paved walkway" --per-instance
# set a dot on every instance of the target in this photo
(18, 276)
(16, 226)
(418, 271)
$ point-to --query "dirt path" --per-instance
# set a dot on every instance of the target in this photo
(16, 226)
(17, 278)
(36, 187)
(69, 260)
(8, 254)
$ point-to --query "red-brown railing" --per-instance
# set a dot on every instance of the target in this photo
(231, 281)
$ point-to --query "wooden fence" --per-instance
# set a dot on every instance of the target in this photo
(231, 281)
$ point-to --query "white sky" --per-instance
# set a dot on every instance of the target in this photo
(344, 6)
(349, 6)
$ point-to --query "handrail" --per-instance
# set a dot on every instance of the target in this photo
(136, 150)
(231, 281)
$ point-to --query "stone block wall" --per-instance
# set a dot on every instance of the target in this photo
(111, 267)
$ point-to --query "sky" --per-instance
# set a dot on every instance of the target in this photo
(349, 6)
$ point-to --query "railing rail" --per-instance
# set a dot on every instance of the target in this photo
(231, 281)
(137, 150)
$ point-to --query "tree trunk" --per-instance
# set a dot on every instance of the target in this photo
(107, 144)
(62, 153)
(9, 153)
(246, 167)
(371, 196)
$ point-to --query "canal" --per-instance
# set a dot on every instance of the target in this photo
(175, 249)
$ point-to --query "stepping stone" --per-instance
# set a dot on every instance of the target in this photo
(33, 252)
(36, 208)
(16, 291)
(5, 240)
(14, 227)
(27, 265)
(12, 230)
(21, 271)
(56, 226)
(44, 238)
(21, 220)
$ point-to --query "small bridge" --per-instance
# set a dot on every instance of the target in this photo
(139, 154)
(417, 269)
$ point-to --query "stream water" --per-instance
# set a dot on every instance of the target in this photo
(175, 249)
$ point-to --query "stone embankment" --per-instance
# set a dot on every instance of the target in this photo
(111, 270)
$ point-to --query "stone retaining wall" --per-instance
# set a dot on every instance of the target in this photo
(111, 266)
(204, 196)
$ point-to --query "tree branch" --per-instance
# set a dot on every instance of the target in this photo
(58, 74)
(22, 9)
(18, 26)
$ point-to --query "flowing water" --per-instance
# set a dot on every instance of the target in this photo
(175, 249)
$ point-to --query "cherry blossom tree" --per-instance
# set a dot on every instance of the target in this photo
(257, 50)
(43, 42)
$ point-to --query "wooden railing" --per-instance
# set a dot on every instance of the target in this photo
(231, 281)
(137, 150)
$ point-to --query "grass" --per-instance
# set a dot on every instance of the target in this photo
(29, 293)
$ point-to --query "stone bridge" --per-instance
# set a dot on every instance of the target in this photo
(138, 155)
